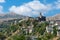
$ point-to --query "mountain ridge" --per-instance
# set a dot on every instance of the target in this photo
(55, 17)
(10, 16)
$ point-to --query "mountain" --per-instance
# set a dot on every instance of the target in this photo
(55, 17)
(1, 14)
(10, 16)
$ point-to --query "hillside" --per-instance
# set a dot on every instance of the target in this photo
(55, 17)
(10, 16)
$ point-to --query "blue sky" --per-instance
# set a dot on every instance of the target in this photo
(30, 7)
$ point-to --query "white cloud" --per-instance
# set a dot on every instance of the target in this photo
(1, 8)
(36, 5)
(1, 1)
(30, 8)
(20, 9)
(57, 4)
(58, 0)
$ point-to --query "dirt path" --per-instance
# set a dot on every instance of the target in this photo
(55, 38)
(13, 34)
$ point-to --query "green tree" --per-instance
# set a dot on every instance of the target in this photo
(54, 30)
(19, 37)
(2, 36)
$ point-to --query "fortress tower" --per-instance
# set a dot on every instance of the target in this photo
(41, 17)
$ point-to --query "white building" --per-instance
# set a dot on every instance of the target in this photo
(28, 29)
(49, 29)
(56, 23)
(58, 30)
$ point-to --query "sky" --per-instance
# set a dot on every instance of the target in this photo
(30, 7)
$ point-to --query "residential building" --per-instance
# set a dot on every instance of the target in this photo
(49, 29)
(28, 29)
(55, 23)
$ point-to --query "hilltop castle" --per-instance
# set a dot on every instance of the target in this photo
(41, 18)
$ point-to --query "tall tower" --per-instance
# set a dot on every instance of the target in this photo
(41, 18)
(40, 15)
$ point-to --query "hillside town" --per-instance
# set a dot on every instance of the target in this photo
(29, 28)
(29, 19)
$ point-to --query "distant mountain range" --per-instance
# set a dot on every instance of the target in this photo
(10, 16)
(55, 17)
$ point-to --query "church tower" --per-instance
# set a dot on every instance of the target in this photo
(41, 18)
(40, 15)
